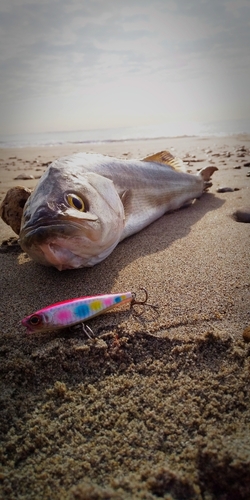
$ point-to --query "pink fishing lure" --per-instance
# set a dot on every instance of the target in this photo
(71, 312)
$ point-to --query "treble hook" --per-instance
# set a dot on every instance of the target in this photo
(142, 303)
(88, 331)
(85, 329)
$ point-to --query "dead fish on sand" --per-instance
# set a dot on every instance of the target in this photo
(85, 204)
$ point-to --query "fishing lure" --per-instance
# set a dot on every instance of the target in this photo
(70, 312)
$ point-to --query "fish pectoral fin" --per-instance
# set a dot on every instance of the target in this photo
(125, 199)
(166, 158)
(206, 174)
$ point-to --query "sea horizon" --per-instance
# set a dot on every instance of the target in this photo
(123, 134)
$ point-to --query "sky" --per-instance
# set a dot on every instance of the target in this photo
(93, 64)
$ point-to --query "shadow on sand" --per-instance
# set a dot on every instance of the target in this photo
(33, 286)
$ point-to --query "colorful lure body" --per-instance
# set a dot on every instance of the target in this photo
(71, 312)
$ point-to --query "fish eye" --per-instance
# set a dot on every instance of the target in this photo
(75, 202)
(35, 320)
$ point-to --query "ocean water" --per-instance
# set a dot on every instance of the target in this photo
(219, 128)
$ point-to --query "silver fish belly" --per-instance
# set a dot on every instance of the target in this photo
(85, 204)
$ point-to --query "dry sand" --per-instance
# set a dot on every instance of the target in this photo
(152, 408)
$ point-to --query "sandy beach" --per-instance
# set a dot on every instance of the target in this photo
(152, 408)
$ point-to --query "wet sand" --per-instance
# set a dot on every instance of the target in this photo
(153, 407)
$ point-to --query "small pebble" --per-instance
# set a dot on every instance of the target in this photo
(46, 163)
(237, 167)
(242, 214)
(246, 334)
(246, 164)
(24, 176)
(224, 190)
(248, 173)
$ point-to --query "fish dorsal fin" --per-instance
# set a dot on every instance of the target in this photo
(166, 158)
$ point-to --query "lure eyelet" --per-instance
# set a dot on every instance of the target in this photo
(75, 202)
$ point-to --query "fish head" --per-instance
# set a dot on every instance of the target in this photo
(72, 219)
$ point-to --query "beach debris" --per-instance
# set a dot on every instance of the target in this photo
(11, 209)
(192, 159)
(10, 245)
(224, 189)
(246, 334)
(24, 177)
(242, 214)
(74, 311)
(46, 163)
(85, 204)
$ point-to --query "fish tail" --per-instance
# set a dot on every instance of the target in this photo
(206, 173)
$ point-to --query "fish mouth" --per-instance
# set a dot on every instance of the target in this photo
(51, 253)
(40, 232)
(49, 243)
